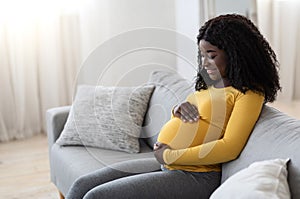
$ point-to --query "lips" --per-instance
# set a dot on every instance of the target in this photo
(211, 70)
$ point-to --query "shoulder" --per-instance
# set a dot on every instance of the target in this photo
(249, 96)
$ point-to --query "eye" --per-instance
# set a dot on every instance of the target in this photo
(212, 56)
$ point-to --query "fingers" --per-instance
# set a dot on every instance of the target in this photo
(156, 146)
(187, 112)
(158, 153)
(159, 146)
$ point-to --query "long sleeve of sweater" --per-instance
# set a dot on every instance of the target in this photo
(243, 117)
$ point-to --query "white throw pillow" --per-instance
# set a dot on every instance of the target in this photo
(263, 179)
(107, 117)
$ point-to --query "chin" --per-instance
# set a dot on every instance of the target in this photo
(214, 77)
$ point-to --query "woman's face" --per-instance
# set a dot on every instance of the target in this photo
(213, 60)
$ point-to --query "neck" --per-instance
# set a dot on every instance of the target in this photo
(222, 83)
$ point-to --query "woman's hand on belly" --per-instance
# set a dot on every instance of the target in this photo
(187, 112)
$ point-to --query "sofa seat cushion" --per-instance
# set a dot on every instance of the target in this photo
(70, 162)
(275, 135)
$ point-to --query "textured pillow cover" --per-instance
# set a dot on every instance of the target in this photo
(107, 117)
(263, 179)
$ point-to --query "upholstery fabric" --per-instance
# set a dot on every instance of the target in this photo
(107, 117)
(275, 135)
(263, 179)
(69, 163)
(56, 119)
(170, 89)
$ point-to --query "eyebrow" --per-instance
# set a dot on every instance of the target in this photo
(209, 51)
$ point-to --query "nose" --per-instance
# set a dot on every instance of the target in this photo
(204, 61)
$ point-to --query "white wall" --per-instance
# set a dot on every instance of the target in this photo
(232, 6)
(187, 25)
(119, 31)
(125, 28)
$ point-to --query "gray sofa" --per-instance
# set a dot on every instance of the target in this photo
(275, 135)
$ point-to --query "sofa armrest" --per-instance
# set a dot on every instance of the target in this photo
(55, 120)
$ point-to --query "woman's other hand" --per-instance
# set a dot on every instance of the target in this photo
(159, 149)
(187, 112)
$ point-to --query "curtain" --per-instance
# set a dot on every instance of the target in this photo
(45, 45)
(39, 59)
(207, 10)
(279, 22)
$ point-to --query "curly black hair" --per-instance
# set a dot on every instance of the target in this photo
(251, 62)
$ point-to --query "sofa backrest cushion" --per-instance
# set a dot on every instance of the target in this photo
(170, 89)
(275, 135)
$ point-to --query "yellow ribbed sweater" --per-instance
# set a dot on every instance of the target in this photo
(227, 117)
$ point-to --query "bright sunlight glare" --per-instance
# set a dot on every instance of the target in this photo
(13, 10)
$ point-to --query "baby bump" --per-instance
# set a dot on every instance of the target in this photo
(179, 135)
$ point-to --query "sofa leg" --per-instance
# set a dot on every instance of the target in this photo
(61, 196)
